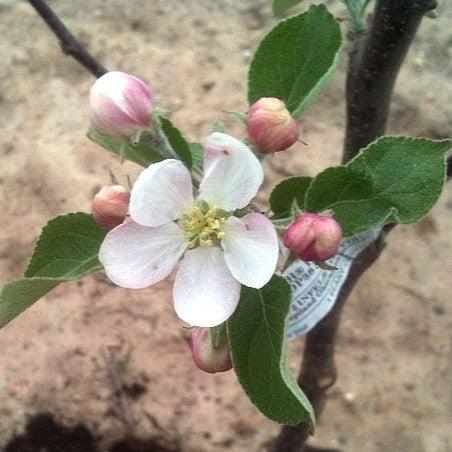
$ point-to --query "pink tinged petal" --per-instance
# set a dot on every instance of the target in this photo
(250, 249)
(136, 256)
(313, 237)
(110, 205)
(205, 292)
(107, 118)
(138, 100)
(232, 173)
(162, 192)
(120, 104)
(270, 125)
(209, 356)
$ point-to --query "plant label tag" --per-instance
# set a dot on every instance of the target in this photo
(314, 291)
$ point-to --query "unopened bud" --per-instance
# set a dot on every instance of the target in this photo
(208, 356)
(120, 104)
(270, 125)
(313, 237)
(110, 206)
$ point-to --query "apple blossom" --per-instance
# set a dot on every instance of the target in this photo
(110, 205)
(313, 237)
(120, 104)
(208, 356)
(270, 125)
(219, 250)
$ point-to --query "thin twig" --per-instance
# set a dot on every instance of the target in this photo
(373, 67)
(68, 42)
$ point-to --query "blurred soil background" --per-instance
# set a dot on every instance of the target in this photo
(108, 364)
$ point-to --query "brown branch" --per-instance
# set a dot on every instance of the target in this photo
(68, 42)
(373, 67)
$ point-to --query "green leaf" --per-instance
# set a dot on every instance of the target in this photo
(142, 153)
(295, 60)
(197, 155)
(165, 141)
(394, 179)
(176, 142)
(256, 333)
(17, 296)
(66, 250)
(280, 6)
(288, 194)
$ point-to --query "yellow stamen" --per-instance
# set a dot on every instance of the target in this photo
(203, 225)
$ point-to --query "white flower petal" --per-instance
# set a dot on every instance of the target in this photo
(205, 292)
(136, 256)
(232, 173)
(161, 193)
(250, 249)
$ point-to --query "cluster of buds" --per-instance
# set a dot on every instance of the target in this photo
(313, 237)
(120, 104)
(271, 126)
(207, 355)
(110, 206)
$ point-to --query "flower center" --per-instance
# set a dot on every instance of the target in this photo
(203, 225)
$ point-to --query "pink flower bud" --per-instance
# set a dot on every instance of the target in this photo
(313, 237)
(120, 104)
(110, 206)
(270, 125)
(205, 355)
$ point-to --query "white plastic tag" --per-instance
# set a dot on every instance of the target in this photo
(314, 291)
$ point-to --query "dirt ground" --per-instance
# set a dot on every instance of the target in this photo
(64, 356)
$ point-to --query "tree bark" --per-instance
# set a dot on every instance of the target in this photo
(373, 67)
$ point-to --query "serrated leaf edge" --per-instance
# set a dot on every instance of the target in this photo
(41, 238)
(393, 212)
